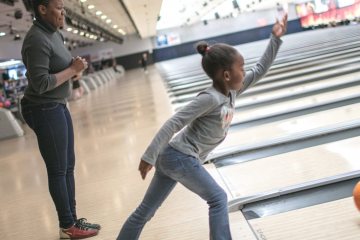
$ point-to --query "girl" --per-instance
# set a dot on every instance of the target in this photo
(207, 119)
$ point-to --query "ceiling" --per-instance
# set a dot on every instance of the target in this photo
(113, 16)
(187, 12)
(144, 14)
(127, 16)
(9, 24)
(141, 17)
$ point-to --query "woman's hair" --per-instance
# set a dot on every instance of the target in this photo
(217, 57)
(35, 6)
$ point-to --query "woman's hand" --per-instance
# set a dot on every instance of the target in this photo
(78, 76)
(279, 28)
(144, 168)
(79, 64)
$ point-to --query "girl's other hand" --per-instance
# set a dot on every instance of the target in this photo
(144, 168)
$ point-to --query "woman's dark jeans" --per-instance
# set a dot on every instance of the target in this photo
(53, 127)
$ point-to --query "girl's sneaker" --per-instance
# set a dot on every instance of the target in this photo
(84, 223)
(77, 232)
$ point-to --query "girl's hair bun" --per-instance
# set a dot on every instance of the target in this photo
(202, 47)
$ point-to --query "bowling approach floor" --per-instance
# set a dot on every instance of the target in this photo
(113, 126)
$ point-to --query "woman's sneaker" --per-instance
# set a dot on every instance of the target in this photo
(84, 223)
(77, 232)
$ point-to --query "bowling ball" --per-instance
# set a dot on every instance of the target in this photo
(7, 103)
(356, 195)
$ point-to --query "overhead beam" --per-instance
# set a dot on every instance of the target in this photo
(129, 15)
(144, 15)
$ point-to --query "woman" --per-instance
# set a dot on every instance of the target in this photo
(50, 66)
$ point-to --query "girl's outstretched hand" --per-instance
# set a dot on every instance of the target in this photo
(144, 168)
(279, 28)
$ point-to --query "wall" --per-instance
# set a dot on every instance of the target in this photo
(132, 44)
(10, 49)
(237, 38)
(130, 51)
(219, 27)
(245, 28)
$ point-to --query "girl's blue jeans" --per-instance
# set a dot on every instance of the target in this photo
(173, 166)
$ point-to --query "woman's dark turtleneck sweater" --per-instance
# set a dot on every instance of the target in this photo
(44, 54)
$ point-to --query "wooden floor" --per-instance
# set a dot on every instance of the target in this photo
(113, 126)
(291, 126)
(335, 220)
(292, 168)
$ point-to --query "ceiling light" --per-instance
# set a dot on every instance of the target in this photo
(108, 21)
(91, 6)
(98, 13)
(89, 29)
(122, 31)
(69, 29)
(17, 37)
(2, 34)
(103, 17)
(82, 0)
(115, 26)
(9, 63)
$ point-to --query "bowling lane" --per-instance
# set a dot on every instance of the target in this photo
(185, 84)
(201, 81)
(286, 106)
(311, 40)
(302, 58)
(291, 86)
(273, 130)
(286, 88)
(336, 220)
(187, 87)
(283, 170)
